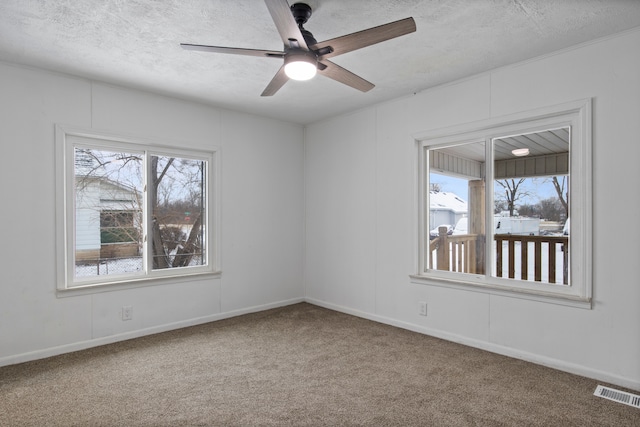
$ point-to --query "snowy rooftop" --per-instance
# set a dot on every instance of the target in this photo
(442, 200)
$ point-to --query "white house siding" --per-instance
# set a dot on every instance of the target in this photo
(88, 221)
(118, 197)
(87, 230)
(358, 259)
(97, 195)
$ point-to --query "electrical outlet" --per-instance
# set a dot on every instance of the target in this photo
(423, 308)
(127, 312)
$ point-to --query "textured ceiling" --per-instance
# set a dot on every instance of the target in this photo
(136, 43)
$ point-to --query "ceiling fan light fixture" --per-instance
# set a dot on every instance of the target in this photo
(300, 66)
(520, 152)
(303, 55)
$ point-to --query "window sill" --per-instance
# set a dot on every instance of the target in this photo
(505, 291)
(129, 283)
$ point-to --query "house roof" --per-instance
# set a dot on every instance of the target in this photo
(136, 44)
(443, 200)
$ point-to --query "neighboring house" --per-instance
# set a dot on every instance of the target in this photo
(107, 219)
(446, 208)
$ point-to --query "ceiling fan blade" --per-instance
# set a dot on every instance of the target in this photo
(364, 38)
(339, 74)
(276, 83)
(286, 24)
(233, 50)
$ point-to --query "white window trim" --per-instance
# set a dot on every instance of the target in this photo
(65, 221)
(575, 114)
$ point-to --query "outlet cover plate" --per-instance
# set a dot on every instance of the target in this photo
(423, 308)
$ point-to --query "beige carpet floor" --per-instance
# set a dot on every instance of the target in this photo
(300, 365)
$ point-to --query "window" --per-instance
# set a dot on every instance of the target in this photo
(505, 205)
(132, 210)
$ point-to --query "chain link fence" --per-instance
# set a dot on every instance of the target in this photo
(105, 266)
(125, 265)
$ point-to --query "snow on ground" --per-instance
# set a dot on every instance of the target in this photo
(117, 266)
(110, 266)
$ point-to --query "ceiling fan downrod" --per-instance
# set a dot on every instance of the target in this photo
(301, 13)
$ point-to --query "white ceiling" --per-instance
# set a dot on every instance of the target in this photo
(136, 43)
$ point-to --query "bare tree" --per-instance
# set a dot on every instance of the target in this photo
(562, 188)
(160, 255)
(185, 179)
(436, 187)
(551, 209)
(190, 248)
(533, 211)
(512, 192)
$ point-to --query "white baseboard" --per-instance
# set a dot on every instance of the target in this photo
(83, 345)
(493, 348)
(483, 345)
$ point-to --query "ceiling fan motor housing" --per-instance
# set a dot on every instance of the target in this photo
(301, 13)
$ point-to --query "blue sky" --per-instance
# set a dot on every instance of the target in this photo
(538, 187)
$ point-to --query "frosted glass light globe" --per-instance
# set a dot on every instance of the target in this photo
(520, 152)
(300, 70)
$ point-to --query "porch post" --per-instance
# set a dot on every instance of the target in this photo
(477, 223)
(443, 249)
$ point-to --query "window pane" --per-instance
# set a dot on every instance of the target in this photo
(531, 206)
(108, 212)
(177, 196)
(457, 209)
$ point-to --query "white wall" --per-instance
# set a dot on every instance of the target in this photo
(360, 201)
(262, 214)
(355, 217)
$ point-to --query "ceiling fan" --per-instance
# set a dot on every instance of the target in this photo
(304, 56)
